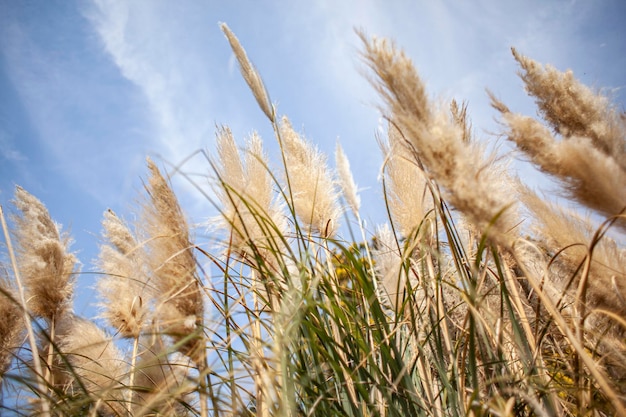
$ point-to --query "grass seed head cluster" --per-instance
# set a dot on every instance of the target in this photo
(478, 297)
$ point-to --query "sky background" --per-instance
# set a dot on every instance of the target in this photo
(89, 88)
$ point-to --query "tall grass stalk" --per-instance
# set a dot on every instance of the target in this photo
(478, 296)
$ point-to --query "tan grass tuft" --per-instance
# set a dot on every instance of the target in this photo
(125, 290)
(573, 109)
(46, 265)
(588, 174)
(170, 256)
(160, 381)
(405, 184)
(315, 198)
(346, 180)
(249, 209)
(567, 236)
(12, 327)
(472, 181)
(390, 271)
(91, 359)
(249, 73)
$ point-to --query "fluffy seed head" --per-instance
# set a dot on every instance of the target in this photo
(125, 290)
(249, 73)
(573, 109)
(170, 257)
(471, 180)
(346, 180)
(45, 263)
(90, 356)
(11, 323)
(315, 198)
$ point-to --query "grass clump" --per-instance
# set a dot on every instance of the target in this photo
(478, 297)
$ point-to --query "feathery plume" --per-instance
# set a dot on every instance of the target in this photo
(472, 181)
(569, 235)
(405, 184)
(312, 185)
(125, 290)
(460, 117)
(93, 360)
(249, 208)
(249, 73)
(389, 268)
(160, 382)
(573, 109)
(588, 174)
(45, 264)
(346, 180)
(170, 257)
(11, 323)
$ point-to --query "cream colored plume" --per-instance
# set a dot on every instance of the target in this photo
(46, 265)
(12, 327)
(90, 356)
(249, 73)
(249, 209)
(312, 187)
(471, 180)
(171, 260)
(405, 184)
(573, 110)
(125, 290)
(592, 173)
(346, 180)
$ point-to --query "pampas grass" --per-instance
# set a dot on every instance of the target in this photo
(311, 183)
(125, 291)
(479, 297)
(45, 263)
(472, 181)
(12, 324)
(180, 306)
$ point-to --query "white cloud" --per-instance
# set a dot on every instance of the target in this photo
(155, 48)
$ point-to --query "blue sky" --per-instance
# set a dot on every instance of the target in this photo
(89, 88)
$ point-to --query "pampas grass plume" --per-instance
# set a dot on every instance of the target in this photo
(315, 198)
(573, 109)
(346, 180)
(124, 289)
(588, 175)
(405, 184)
(249, 73)
(93, 360)
(170, 256)
(45, 262)
(11, 323)
(472, 180)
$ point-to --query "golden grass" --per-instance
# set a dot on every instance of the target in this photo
(478, 298)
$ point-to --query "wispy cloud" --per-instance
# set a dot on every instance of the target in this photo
(156, 48)
(62, 93)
